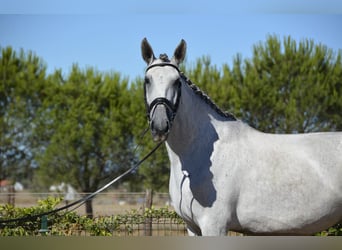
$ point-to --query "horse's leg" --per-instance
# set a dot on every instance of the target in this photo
(214, 232)
(214, 228)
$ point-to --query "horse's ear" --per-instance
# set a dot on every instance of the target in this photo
(179, 54)
(147, 51)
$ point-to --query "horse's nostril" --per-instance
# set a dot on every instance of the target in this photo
(167, 128)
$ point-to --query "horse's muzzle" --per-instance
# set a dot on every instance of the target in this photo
(160, 123)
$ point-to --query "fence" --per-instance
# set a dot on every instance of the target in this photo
(115, 213)
(131, 226)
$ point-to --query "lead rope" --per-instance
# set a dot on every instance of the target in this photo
(81, 201)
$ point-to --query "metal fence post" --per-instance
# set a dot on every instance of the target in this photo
(148, 205)
(43, 225)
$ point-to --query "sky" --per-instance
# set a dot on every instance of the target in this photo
(107, 34)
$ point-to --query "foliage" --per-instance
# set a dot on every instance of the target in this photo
(28, 227)
(67, 224)
(286, 87)
(84, 123)
(332, 231)
(21, 93)
(289, 87)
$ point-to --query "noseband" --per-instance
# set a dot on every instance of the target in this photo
(172, 108)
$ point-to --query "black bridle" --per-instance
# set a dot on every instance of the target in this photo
(171, 108)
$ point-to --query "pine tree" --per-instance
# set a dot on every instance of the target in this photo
(288, 87)
(85, 124)
(22, 78)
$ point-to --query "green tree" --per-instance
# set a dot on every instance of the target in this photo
(289, 87)
(85, 124)
(22, 79)
(286, 87)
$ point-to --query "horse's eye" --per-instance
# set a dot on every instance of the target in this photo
(177, 82)
(147, 80)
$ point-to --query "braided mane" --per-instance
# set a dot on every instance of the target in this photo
(207, 99)
(164, 58)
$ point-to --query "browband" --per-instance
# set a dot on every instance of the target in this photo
(162, 65)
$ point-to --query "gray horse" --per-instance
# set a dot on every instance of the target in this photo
(226, 175)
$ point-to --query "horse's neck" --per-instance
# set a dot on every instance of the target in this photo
(193, 124)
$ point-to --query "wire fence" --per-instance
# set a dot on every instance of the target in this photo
(107, 209)
(112, 214)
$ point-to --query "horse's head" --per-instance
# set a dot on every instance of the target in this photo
(162, 88)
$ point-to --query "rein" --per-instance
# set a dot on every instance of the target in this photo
(90, 196)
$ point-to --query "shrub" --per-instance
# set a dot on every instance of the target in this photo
(29, 226)
(70, 223)
(332, 231)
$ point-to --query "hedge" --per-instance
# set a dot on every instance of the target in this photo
(70, 223)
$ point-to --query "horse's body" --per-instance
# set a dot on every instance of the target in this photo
(226, 175)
